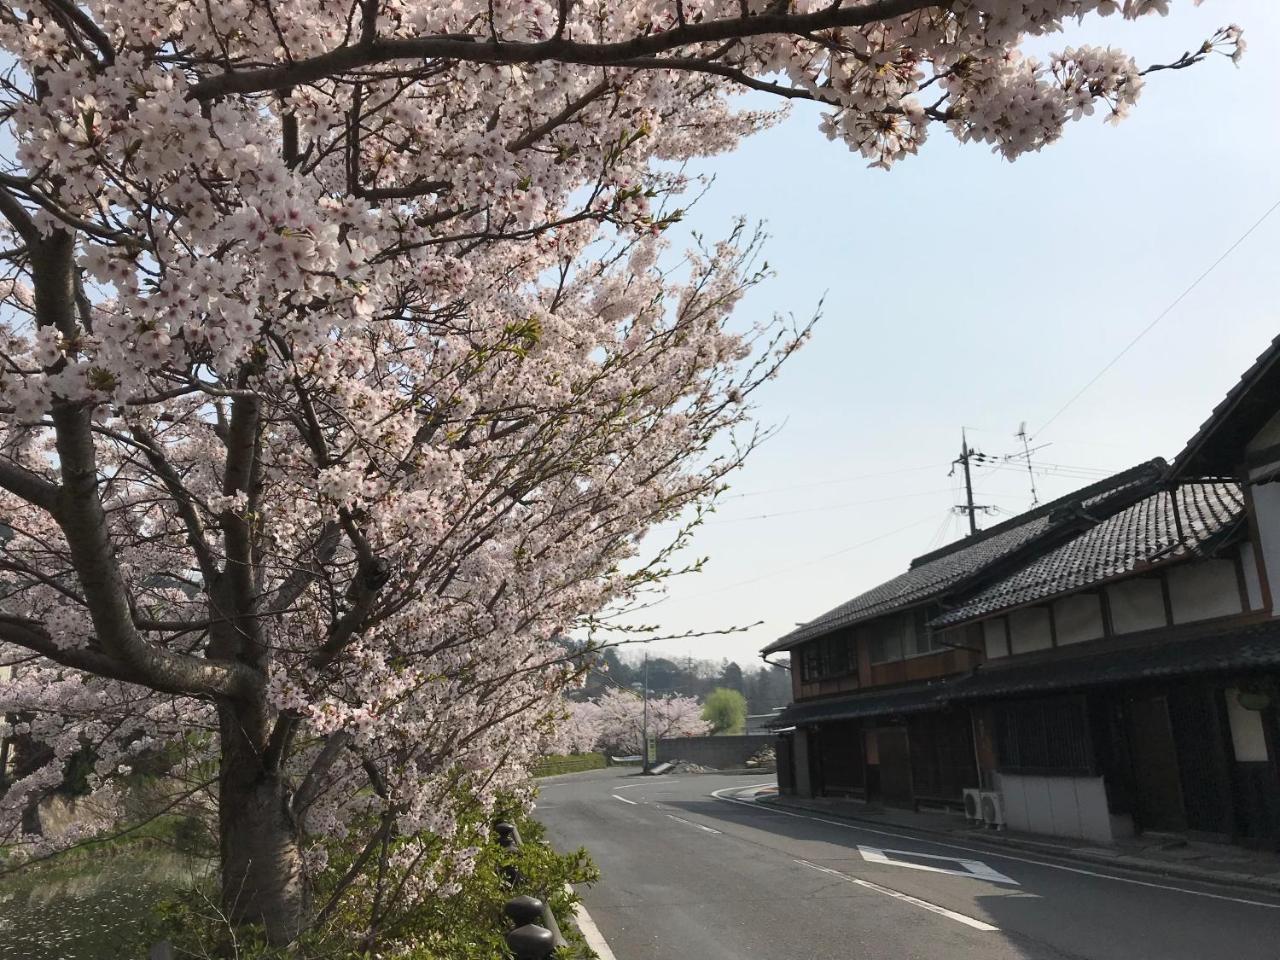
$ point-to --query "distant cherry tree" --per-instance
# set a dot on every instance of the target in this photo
(622, 720)
(342, 370)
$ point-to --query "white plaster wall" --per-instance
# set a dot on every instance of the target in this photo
(1266, 504)
(1073, 807)
(1248, 738)
(1078, 618)
(1204, 590)
(995, 638)
(1029, 630)
(1268, 436)
(1136, 604)
(1249, 563)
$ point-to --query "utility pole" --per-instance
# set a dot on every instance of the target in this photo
(1026, 453)
(963, 459)
(644, 723)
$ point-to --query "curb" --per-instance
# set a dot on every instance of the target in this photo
(591, 934)
(1120, 861)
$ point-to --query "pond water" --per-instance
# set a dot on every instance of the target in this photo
(89, 909)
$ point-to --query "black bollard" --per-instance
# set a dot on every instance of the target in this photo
(524, 910)
(531, 942)
(506, 834)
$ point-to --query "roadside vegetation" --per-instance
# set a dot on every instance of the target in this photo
(114, 900)
(574, 763)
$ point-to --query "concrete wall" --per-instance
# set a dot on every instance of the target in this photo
(722, 753)
(1057, 806)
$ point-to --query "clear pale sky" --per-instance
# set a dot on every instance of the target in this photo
(962, 290)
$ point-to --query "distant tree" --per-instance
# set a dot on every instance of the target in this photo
(767, 688)
(731, 677)
(580, 729)
(665, 676)
(726, 711)
(622, 720)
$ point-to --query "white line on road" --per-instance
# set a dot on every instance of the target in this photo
(591, 933)
(647, 783)
(625, 800)
(906, 898)
(994, 854)
(691, 823)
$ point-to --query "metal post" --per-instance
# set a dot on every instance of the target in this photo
(644, 724)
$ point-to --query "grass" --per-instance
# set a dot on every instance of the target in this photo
(575, 763)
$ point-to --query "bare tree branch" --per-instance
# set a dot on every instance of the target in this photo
(473, 49)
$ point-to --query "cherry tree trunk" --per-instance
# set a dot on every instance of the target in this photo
(263, 881)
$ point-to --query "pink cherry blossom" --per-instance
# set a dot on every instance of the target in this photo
(342, 370)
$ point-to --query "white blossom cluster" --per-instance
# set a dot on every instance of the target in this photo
(383, 367)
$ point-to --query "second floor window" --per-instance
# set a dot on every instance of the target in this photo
(827, 658)
(884, 640)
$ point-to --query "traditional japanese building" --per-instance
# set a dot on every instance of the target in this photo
(1102, 665)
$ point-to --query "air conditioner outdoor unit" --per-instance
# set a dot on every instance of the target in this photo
(992, 810)
(973, 806)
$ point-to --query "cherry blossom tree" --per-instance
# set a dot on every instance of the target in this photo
(342, 370)
(622, 724)
(580, 729)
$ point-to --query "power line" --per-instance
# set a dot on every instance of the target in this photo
(830, 506)
(1163, 313)
(824, 483)
(808, 563)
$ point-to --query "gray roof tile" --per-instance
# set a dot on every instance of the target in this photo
(935, 574)
(1141, 536)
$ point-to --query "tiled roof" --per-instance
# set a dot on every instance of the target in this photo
(1238, 650)
(935, 574)
(1140, 536)
(916, 698)
(1217, 449)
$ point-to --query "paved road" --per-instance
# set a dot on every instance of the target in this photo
(686, 874)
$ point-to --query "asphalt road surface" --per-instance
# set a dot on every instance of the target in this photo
(691, 871)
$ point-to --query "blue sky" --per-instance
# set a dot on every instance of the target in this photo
(962, 290)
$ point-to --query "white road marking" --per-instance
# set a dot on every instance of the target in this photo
(691, 823)
(906, 898)
(975, 869)
(998, 856)
(591, 933)
(625, 800)
(650, 783)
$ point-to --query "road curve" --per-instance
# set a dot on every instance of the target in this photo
(689, 869)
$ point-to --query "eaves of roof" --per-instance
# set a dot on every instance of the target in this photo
(1217, 449)
(1247, 649)
(985, 555)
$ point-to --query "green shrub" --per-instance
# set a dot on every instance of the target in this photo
(469, 925)
(576, 763)
(726, 711)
